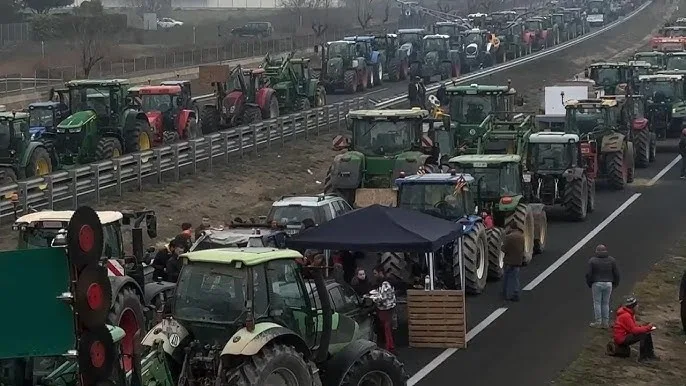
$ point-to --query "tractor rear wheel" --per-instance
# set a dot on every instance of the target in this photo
(630, 160)
(616, 170)
(446, 71)
(575, 199)
(108, 148)
(523, 217)
(591, 195)
(127, 312)
(395, 266)
(271, 110)
(495, 254)
(138, 137)
(475, 252)
(394, 70)
(378, 73)
(302, 104)
(320, 97)
(376, 367)
(209, 120)
(169, 137)
(350, 81)
(40, 163)
(642, 141)
(252, 114)
(275, 364)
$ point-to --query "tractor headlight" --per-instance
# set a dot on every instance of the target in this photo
(355, 63)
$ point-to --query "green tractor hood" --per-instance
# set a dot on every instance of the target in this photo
(353, 169)
(77, 120)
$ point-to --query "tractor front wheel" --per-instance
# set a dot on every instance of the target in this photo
(138, 137)
(575, 199)
(40, 163)
(209, 120)
(375, 367)
(616, 170)
(275, 364)
(271, 110)
(475, 253)
(302, 104)
(394, 70)
(540, 231)
(108, 148)
(350, 81)
(252, 114)
(127, 313)
(495, 253)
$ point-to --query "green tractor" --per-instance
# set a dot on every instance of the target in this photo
(608, 76)
(675, 61)
(344, 67)
(384, 145)
(255, 316)
(104, 123)
(501, 191)
(396, 65)
(20, 156)
(296, 87)
(655, 58)
(665, 103)
(436, 59)
(469, 107)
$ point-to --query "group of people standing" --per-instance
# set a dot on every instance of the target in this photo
(166, 262)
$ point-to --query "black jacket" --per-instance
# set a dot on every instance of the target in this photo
(602, 268)
(160, 263)
(682, 146)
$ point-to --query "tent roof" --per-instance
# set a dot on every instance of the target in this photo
(379, 228)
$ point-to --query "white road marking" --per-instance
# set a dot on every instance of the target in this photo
(664, 171)
(442, 357)
(558, 263)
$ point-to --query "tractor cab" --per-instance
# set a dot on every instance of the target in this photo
(443, 195)
(410, 40)
(503, 18)
(636, 69)
(186, 94)
(105, 98)
(665, 107)
(473, 103)
(662, 88)
(453, 30)
(363, 45)
(631, 111)
(436, 43)
(45, 116)
(343, 49)
(675, 61)
(608, 76)
(386, 42)
(21, 156)
(165, 108)
(553, 152)
(655, 58)
(591, 117)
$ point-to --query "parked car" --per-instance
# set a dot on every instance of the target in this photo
(258, 28)
(290, 211)
(241, 236)
(168, 22)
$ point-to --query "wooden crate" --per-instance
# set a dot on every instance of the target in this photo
(436, 319)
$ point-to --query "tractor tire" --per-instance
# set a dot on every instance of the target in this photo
(40, 163)
(210, 119)
(364, 79)
(127, 312)
(302, 104)
(138, 138)
(575, 199)
(523, 217)
(394, 70)
(375, 361)
(320, 97)
(271, 110)
(630, 159)
(169, 137)
(642, 141)
(475, 253)
(192, 131)
(350, 81)
(540, 232)
(653, 147)
(446, 71)
(108, 148)
(404, 70)
(616, 171)
(252, 114)
(379, 72)
(495, 254)
(414, 70)
(591, 195)
(272, 359)
(10, 177)
(396, 267)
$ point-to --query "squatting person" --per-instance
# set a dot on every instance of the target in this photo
(627, 332)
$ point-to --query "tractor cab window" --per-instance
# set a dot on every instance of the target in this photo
(474, 38)
(676, 62)
(654, 60)
(434, 45)
(289, 303)
(39, 117)
(91, 98)
(162, 103)
(586, 119)
(552, 156)
(496, 180)
(384, 137)
(5, 134)
(661, 91)
(471, 109)
(214, 293)
(32, 237)
(341, 50)
(440, 200)
(414, 38)
(361, 49)
(113, 241)
(607, 76)
(533, 25)
(558, 19)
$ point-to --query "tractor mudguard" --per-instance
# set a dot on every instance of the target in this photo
(130, 118)
(346, 170)
(612, 142)
(472, 222)
(341, 362)
(26, 157)
(573, 174)
(183, 118)
(118, 282)
(156, 288)
(510, 207)
(248, 343)
(262, 97)
(408, 163)
(376, 57)
(164, 332)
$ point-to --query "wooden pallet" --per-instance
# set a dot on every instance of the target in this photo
(436, 319)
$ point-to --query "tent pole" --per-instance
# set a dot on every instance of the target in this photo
(461, 260)
(327, 256)
(430, 255)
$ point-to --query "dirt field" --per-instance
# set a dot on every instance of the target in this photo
(659, 305)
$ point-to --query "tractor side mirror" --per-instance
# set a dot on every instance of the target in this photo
(340, 143)
(586, 73)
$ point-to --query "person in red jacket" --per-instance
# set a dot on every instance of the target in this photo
(627, 332)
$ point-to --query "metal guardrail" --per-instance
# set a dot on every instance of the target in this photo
(97, 178)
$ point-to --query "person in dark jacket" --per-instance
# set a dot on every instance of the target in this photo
(159, 263)
(413, 92)
(513, 247)
(626, 331)
(422, 93)
(361, 283)
(682, 303)
(441, 95)
(204, 225)
(682, 152)
(601, 277)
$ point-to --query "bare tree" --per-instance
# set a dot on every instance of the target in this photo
(365, 13)
(91, 34)
(387, 11)
(321, 18)
(296, 7)
(444, 6)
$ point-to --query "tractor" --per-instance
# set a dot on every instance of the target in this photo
(255, 316)
(105, 123)
(536, 35)
(501, 196)
(557, 174)
(384, 144)
(344, 66)
(243, 99)
(655, 58)
(610, 77)
(566, 30)
(137, 297)
(397, 66)
(164, 107)
(480, 48)
(675, 61)
(598, 13)
(44, 116)
(636, 69)
(448, 196)
(605, 144)
(296, 87)
(579, 21)
(374, 58)
(21, 156)
(634, 122)
(665, 103)
(74, 297)
(410, 41)
(437, 59)
(511, 42)
(187, 100)
(469, 107)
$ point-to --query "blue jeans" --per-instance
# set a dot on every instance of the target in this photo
(601, 301)
(511, 282)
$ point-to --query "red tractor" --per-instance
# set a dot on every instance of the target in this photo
(165, 107)
(537, 35)
(244, 99)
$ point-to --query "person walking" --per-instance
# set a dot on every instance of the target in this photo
(682, 152)
(422, 93)
(513, 247)
(626, 331)
(601, 277)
